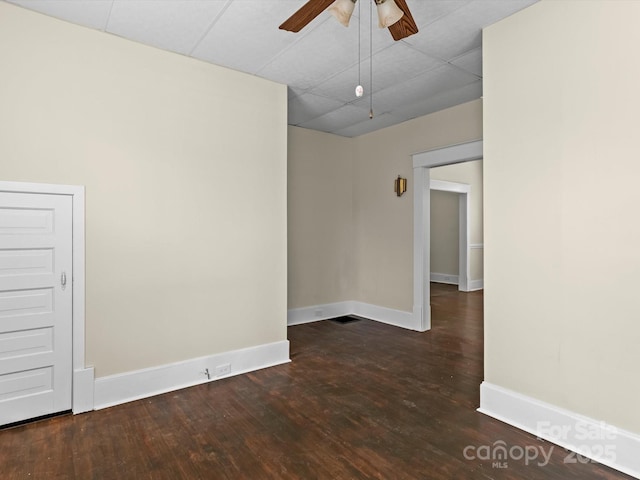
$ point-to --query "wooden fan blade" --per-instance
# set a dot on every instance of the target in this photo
(303, 17)
(406, 26)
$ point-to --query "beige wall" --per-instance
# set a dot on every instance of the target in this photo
(442, 217)
(561, 172)
(445, 226)
(321, 245)
(184, 165)
(350, 236)
(384, 222)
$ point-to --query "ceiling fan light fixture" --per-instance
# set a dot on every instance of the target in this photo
(388, 13)
(342, 10)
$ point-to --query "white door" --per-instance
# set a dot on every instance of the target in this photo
(35, 305)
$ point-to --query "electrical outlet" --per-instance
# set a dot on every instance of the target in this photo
(224, 369)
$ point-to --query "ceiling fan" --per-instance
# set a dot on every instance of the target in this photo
(393, 14)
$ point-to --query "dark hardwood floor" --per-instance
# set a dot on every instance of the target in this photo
(360, 400)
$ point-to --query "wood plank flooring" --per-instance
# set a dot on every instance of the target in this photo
(360, 400)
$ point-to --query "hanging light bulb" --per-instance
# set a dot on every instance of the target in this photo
(342, 10)
(388, 13)
(359, 91)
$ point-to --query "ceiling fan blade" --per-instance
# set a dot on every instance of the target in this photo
(303, 17)
(406, 26)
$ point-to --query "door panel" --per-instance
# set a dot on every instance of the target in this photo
(35, 306)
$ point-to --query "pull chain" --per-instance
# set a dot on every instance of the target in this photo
(371, 60)
(359, 88)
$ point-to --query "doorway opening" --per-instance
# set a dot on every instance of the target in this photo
(422, 163)
(456, 252)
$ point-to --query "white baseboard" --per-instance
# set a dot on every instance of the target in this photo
(445, 278)
(585, 436)
(83, 390)
(390, 316)
(130, 386)
(326, 311)
(298, 316)
(454, 280)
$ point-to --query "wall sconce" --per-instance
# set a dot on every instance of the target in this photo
(400, 185)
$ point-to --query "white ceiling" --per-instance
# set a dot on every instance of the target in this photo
(439, 67)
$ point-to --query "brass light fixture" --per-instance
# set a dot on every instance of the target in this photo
(400, 185)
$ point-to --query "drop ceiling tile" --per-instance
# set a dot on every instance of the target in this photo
(227, 43)
(342, 85)
(398, 62)
(92, 14)
(430, 11)
(293, 92)
(446, 99)
(308, 60)
(470, 61)
(416, 90)
(448, 37)
(489, 12)
(307, 106)
(369, 125)
(337, 119)
(174, 25)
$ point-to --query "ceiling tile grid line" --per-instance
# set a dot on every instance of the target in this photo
(414, 70)
(398, 85)
(291, 46)
(176, 27)
(212, 23)
(106, 22)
